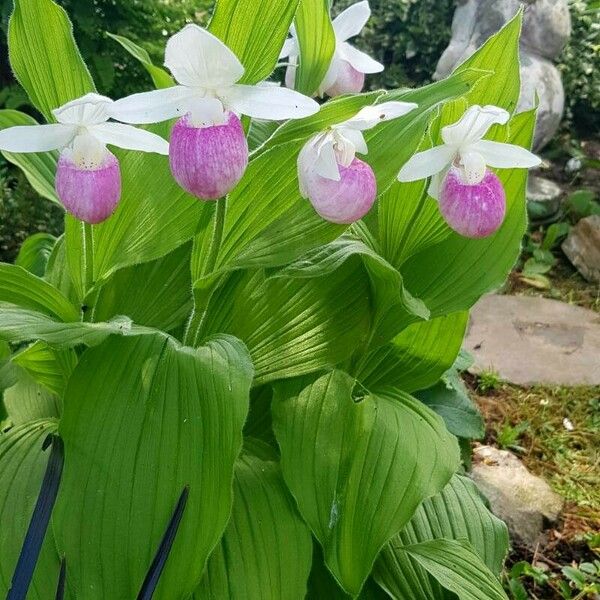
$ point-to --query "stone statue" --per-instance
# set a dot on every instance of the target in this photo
(546, 30)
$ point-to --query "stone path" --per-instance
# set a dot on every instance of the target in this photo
(531, 340)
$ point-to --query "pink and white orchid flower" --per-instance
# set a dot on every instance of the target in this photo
(346, 73)
(471, 197)
(88, 177)
(209, 152)
(342, 188)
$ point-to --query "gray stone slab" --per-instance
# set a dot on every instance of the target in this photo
(531, 340)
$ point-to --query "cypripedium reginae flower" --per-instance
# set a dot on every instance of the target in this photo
(341, 187)
(471, 197)
(88, 177)
(208, 151)
(346, 73)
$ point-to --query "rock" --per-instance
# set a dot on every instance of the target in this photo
(543, 198)
(528, 340)
(524, 501)
(546, 29)
(582, 247)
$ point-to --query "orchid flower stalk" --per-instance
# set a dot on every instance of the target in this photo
(346, 73)
(209, 152)
(88, 176)
(471, 196)
(341, 187)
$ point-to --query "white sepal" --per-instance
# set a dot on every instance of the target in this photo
(370, 116)
(360, 61)
(474, 124)
(130, 138)
(36, 138)
(351, 21)
(268, 102)
(505, 156)
(427, 163)
(355, 137)
(197, 58)
(87, 110)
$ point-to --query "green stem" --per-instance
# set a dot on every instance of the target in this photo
(88, 253)
(217, 236)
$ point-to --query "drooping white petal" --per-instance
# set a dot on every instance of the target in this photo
(359, 60)
(355, 137)
(130, 138)
(474, 124)
(473, 167)
(36, 138)
(331, 76)
(290, 47)
(351, 21)
(154, 106)
(427, 163)
(267, 102)
(87, 110)
(326, 164)
(369, 116)
(197, 58)
(506, 156)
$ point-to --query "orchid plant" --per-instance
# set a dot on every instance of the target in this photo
(256, 396)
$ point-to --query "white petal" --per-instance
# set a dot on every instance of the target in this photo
(130, 138)
(355, 137)
(36, 138)
(359, 60)
(326, 164)
(474, 124)
(87, 110)
(267, 102)
(197, 58)
(505, 156)
(331, 75)
(290, 47)
(154, 106)
(351, 21)
(427, 163)
(369, 116)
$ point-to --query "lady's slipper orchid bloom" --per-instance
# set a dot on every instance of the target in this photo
(209, 152)
(88, 177)
(342, 188)
(471, 197)
(346, 74)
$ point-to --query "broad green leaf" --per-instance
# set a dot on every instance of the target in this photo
(254, 31)
(39, 168)
(22, 467)
(450, 399)
(175, 414)
(316, 39)
(417, 357)
(57, 271)
(34, 253)
(157, 293)
(160, 77)
(44, 56)
(28, 400)
(260, 131)
(358, 467)
(50, 367)
(456, 565)
(20, 287)
(291, 326)
(266, 550)
(457, 512)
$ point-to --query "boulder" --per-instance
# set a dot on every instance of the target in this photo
(524, 501)
(582, 247)
(543, 199)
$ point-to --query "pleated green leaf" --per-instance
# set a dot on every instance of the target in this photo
(34, 253)
(22, 467)
(358, 467)
(160, 77)
(254, 31)
(39, 168)
(291, 326)
(457, 512)
(266, 550)
(456, 565)
(417, 357)
(143, 418)
(27, 400)
(44, 56)
(316, 39)
(20, 287)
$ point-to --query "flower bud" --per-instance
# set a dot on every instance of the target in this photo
(348, 81)
(208, 160)
(474, 211)
(344, 201)
(88, 180)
